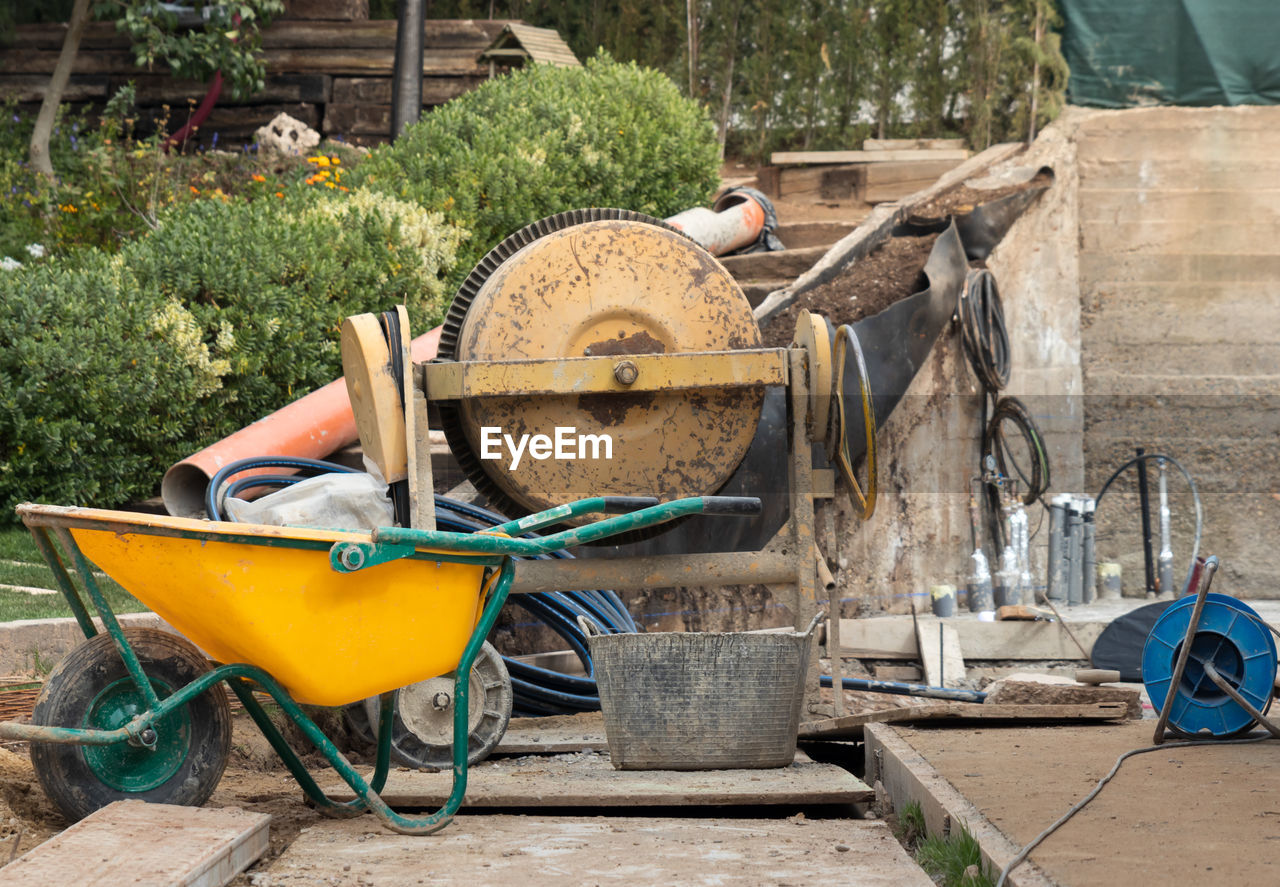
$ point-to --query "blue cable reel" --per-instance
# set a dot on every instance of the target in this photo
(1231, 637)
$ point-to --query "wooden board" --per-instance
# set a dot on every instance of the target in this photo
(589, 780)
(146, 845)
(942, 661)
(893, 637)
(962, 713)
(909, 144)
(617, 851)
(799, 158)
(554, 735)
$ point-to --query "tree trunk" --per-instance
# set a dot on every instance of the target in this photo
(1035, 73)
(38, 153)
(732, 51)
(691, 28)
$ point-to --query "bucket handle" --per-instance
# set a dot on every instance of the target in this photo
(808, 632)
(589, 628)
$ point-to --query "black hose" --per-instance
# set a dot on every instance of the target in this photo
(1014, 411)
(538, 691)
(982, 330)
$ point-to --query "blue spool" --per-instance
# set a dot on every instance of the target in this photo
(1235, 640)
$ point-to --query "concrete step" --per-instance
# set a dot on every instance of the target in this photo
(789, 263)
(798, 235)
(756, 290)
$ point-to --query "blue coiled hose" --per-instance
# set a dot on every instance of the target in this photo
(538, 691)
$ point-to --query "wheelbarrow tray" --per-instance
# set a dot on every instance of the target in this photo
(267, 596)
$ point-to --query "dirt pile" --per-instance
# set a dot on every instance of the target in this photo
(888, 274)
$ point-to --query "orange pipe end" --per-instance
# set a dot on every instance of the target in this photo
(312, 427)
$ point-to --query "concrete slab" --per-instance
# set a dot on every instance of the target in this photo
(1194, 815)
(552, 851)
(145, 845)
(589, 780)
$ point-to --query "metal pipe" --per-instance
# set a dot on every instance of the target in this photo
(1144, 504)
(909, 689)
(1056, 580)
(1075, 552)
(1088, 570)
(1166, 534)
(406, 75)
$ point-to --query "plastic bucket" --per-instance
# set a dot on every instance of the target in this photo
(701, 700)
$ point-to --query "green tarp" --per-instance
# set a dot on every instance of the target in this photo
(1176, 52)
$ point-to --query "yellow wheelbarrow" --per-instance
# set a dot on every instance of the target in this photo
(307, 616)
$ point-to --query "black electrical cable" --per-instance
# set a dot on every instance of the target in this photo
(1014, 411)
(538, 691)
(982, 330)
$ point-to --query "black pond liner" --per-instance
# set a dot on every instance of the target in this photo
(1120, 644)
(896, 343)
(983, 227)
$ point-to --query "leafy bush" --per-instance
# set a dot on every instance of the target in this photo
(112, 367)
(546, 139)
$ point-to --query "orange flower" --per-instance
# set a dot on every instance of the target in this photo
(258, 178)
(194, 189)
(280, 194)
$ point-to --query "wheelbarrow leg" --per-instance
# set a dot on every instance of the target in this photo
(244, 690)
(367, 793)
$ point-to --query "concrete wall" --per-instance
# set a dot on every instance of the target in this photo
(1180, 293)
(919, 535)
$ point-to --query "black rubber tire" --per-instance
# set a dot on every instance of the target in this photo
(63, 770)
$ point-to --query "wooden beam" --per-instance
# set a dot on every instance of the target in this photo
(133, 842)
(967, 713)
(909, 144)
(907, 777)
(942, 660)
(893, 637)
(800, 158)
(591, 781)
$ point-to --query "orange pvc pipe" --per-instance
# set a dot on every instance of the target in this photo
(312, 427)
(735, 221)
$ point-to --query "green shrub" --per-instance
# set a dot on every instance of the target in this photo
(112, 367)
(546, 139)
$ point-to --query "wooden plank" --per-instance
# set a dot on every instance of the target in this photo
(962, 713)
(896, 173)
(347, 10)
(893, 637)
(909, 673)
(908, 144)
(31, 88)
(589, 780)
(797, 158)
(379, 34)
(608, 851)
(787, 263)
(942, 661)
(155, 89)
(895, 191)
(361, 119)
(554, 735)
(368, 61)
(146, 845)
(377, 90)
(907, 777)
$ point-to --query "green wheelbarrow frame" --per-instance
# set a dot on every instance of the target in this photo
(495, 549)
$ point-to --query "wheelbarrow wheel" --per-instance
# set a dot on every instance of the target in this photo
(91, 687)
(422, 732)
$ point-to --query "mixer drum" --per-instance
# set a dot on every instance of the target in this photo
(592, 283)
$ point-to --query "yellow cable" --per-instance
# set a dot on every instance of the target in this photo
(846, 337)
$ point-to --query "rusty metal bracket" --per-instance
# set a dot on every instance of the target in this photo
(750, 368)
